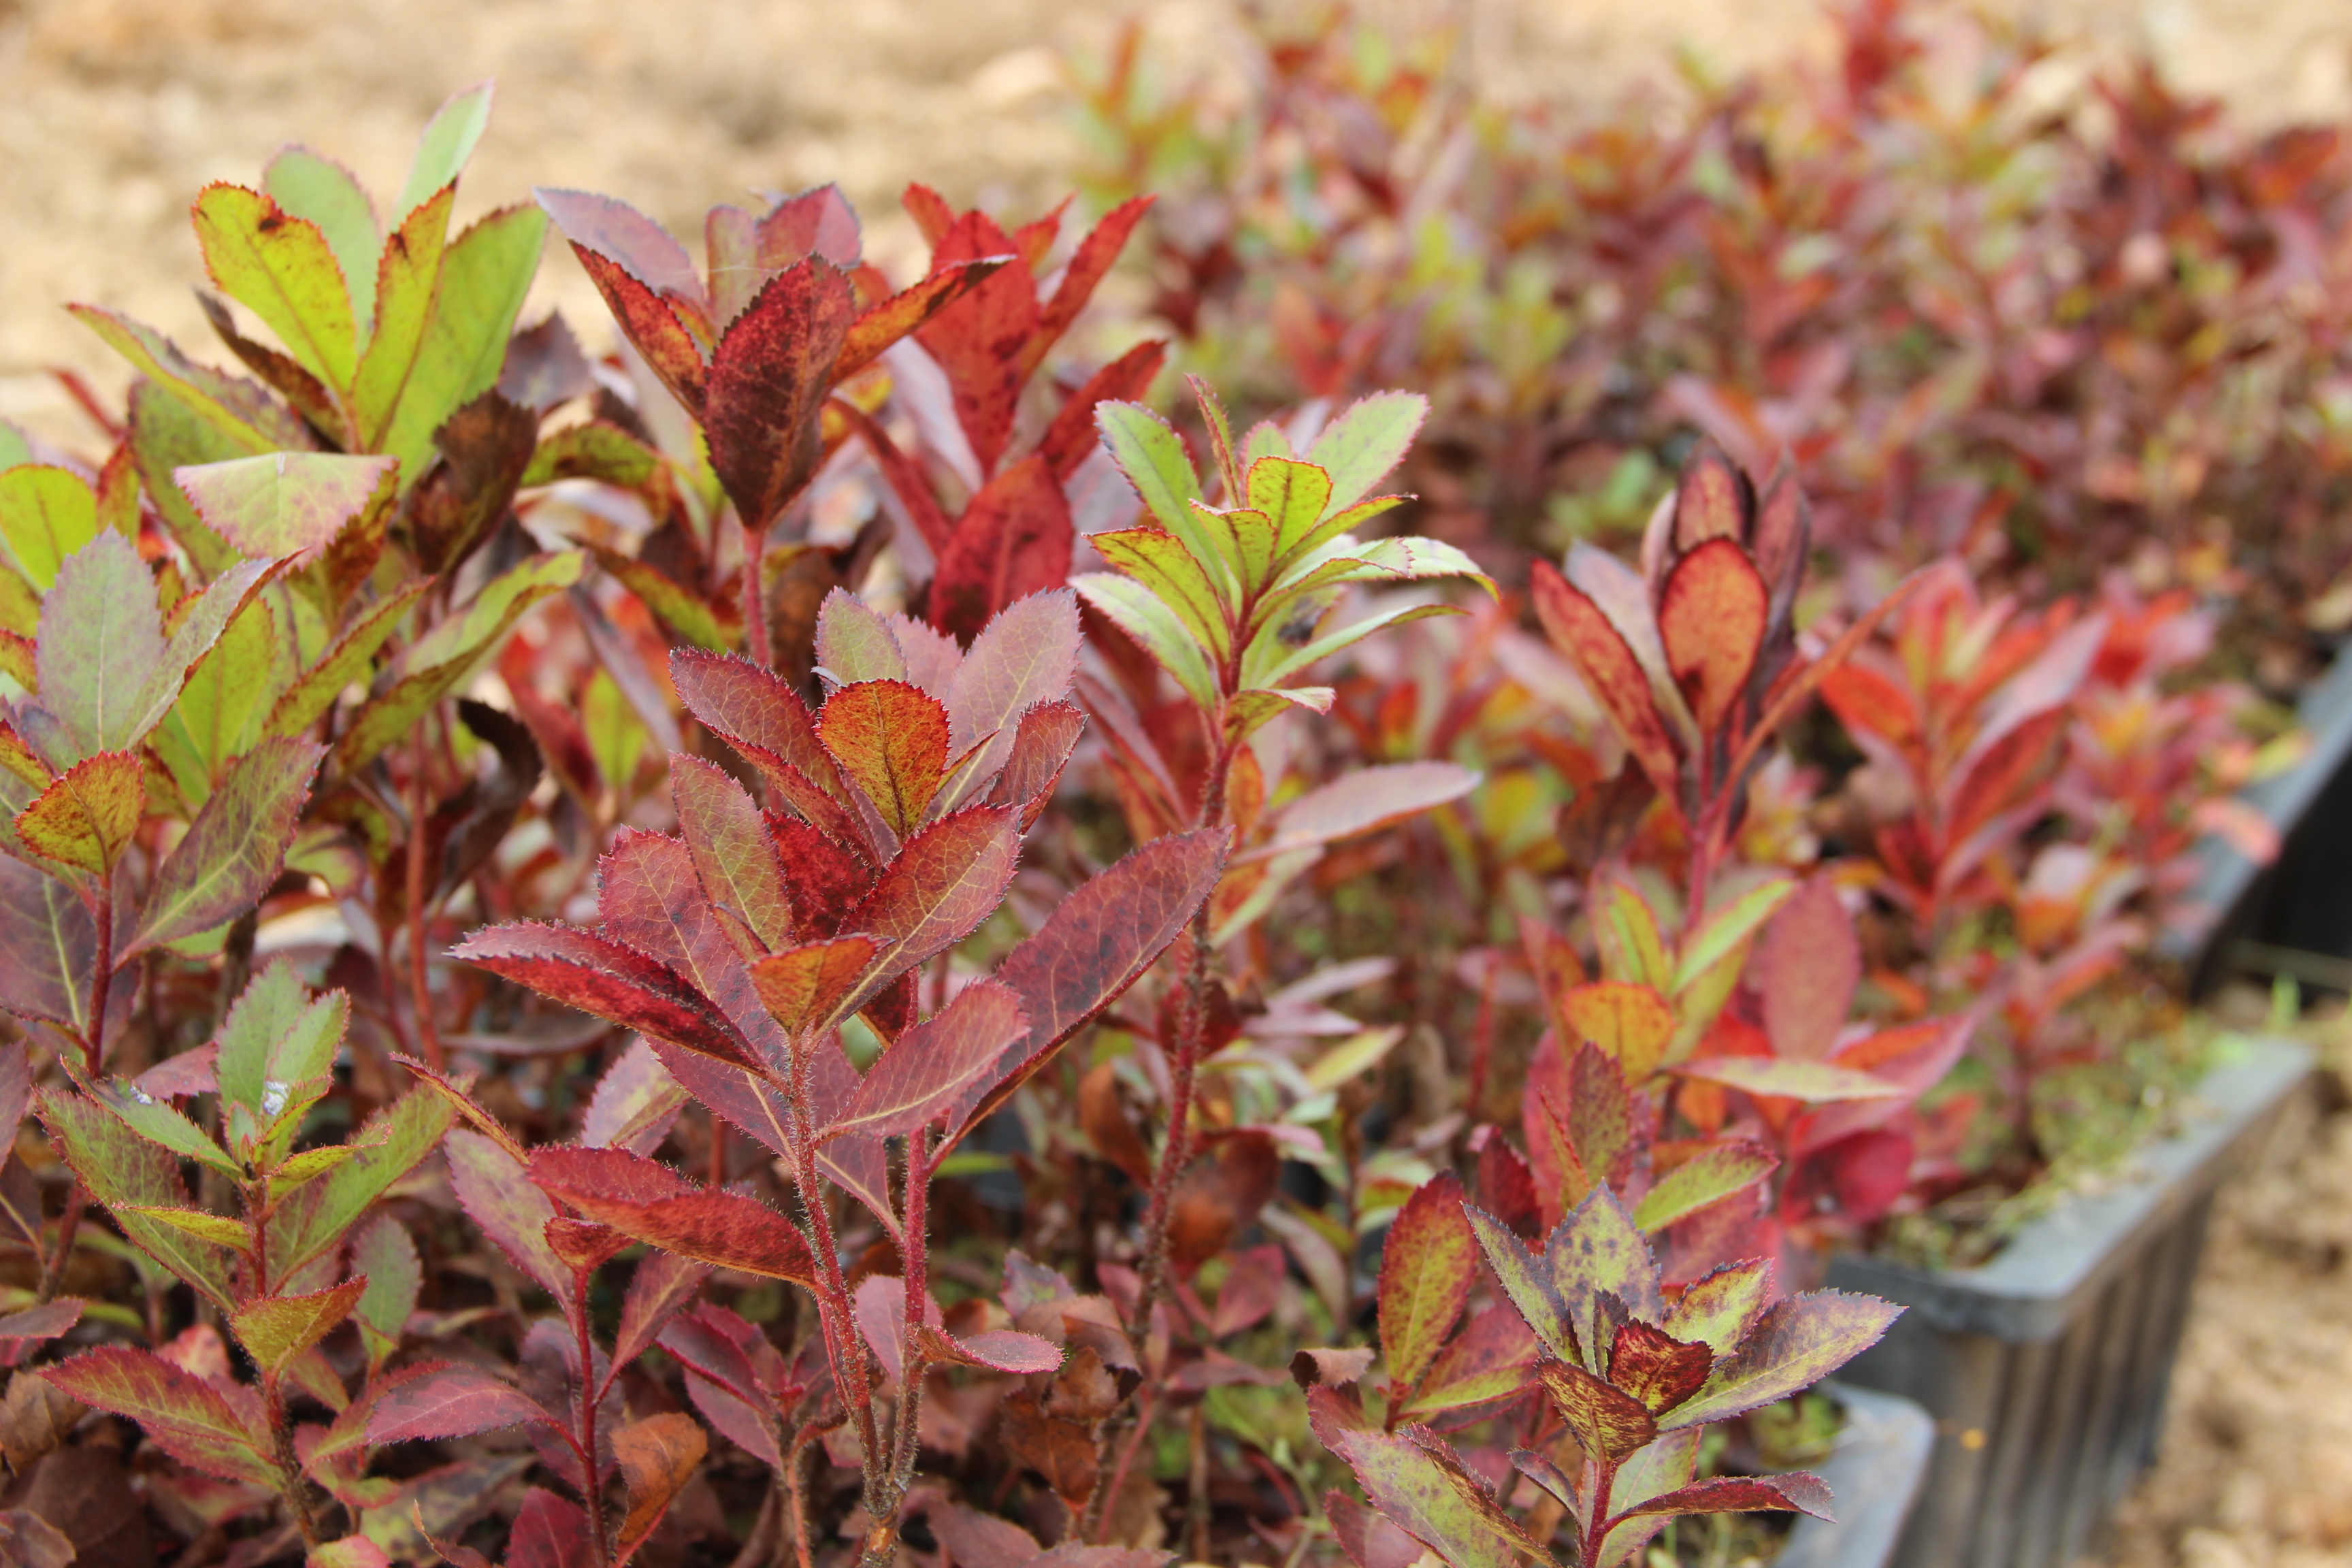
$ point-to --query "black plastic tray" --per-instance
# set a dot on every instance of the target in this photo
(2045, 1370)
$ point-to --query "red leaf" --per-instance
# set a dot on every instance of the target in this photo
(1712, 614)
(1097, 942)
(884, 324)
(1857, 1178)
(182, 1414)
(608, 981)
(656, 328)
(1807, 967)
(890, 739)
(439, 1400)
(824, 880)
(1793, 1493)
(548, 1532)
(1579, 629)
(922, 1076)
(769, 377)
(982, 340)
(1784, 530)
(651, 1203)
(1087, 264)
(2001, 775)
(1656, 1368)
(733, 856)
(1871, 706)
(946, 881)
(1252, 1286)
(905, 476)
(1428, 1264)
(1071, 438)
(802, 986)
(1012, 540)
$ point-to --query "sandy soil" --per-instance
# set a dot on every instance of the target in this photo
(114, 113)
(2256, 1470)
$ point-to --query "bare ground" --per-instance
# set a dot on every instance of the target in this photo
(114, 113)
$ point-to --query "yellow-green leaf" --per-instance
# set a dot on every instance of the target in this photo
(46, 514)
(281, 269)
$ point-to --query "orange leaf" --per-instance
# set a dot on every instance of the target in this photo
(657, 1456)
(1713, 500)
(1712, 614)
(85, 818)
(1630, 1024)
(891, 739)
(801, 986)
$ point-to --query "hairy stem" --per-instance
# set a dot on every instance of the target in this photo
(842, 1346)
(290, 1484)
(755, 614)
(592, 1493)
(53, 1267)
(882, 1543)
(428, 1038)
(1596, 1528)
(1100, 1506)
(796, 1488)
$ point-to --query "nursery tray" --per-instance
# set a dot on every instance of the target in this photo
(1873, 1475)
(2292, 916)
(2045, 1369)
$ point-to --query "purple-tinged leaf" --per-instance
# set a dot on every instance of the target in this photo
(1096, 943)
(1364, 800)
(48, 946)
(449, 1401)
(653, 1205)
(1489, 1361)
(1527, 1285)
(921, 1077)
(767, 380)
(182, 1414)
(45, 1322)
(996, 1350)
(1579, 630)
(550, 1531)
(758, 712)
(1027, 654)
(634, 1103)
(1414, 1486)
(287, 502)
(664, 1286)
(1807, 968)
(946, 881)
(233, 851)
(732, 849)
(491, 1188)
(1597, 1251)
(1041, 745)
(1428, 1265)
(1800, 1341)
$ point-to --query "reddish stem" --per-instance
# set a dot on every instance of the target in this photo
(592, 1493)
(755, 614)
(101, 977)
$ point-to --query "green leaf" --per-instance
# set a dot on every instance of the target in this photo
(160, 1122)
(383, 1255)
(1138, 612)
(1294, 496)
(276, 1033)
(242, 417)
(126, 1172)
(202, 1224)
(46, 514)
(405, 280)
(1287, 662)
(1151, 454)
(485, 275)
(1527, 1283)
(343, 665)
(1727, 929)
(234, 848)
(1798, 1342)
(1718, 1309)
(1709, 1176)
(220, 711)
(594, 450)
(1367, 440)
(310, 186)
(448, 143)
(1161, 563)
(301, 1170)
(1815, 1083)
(277, 1328)
(445, 657)
(184, 1415)
(281, 269)
(1420, 1486)
(1428, 1264)
(286, 502)
(314, 1219)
